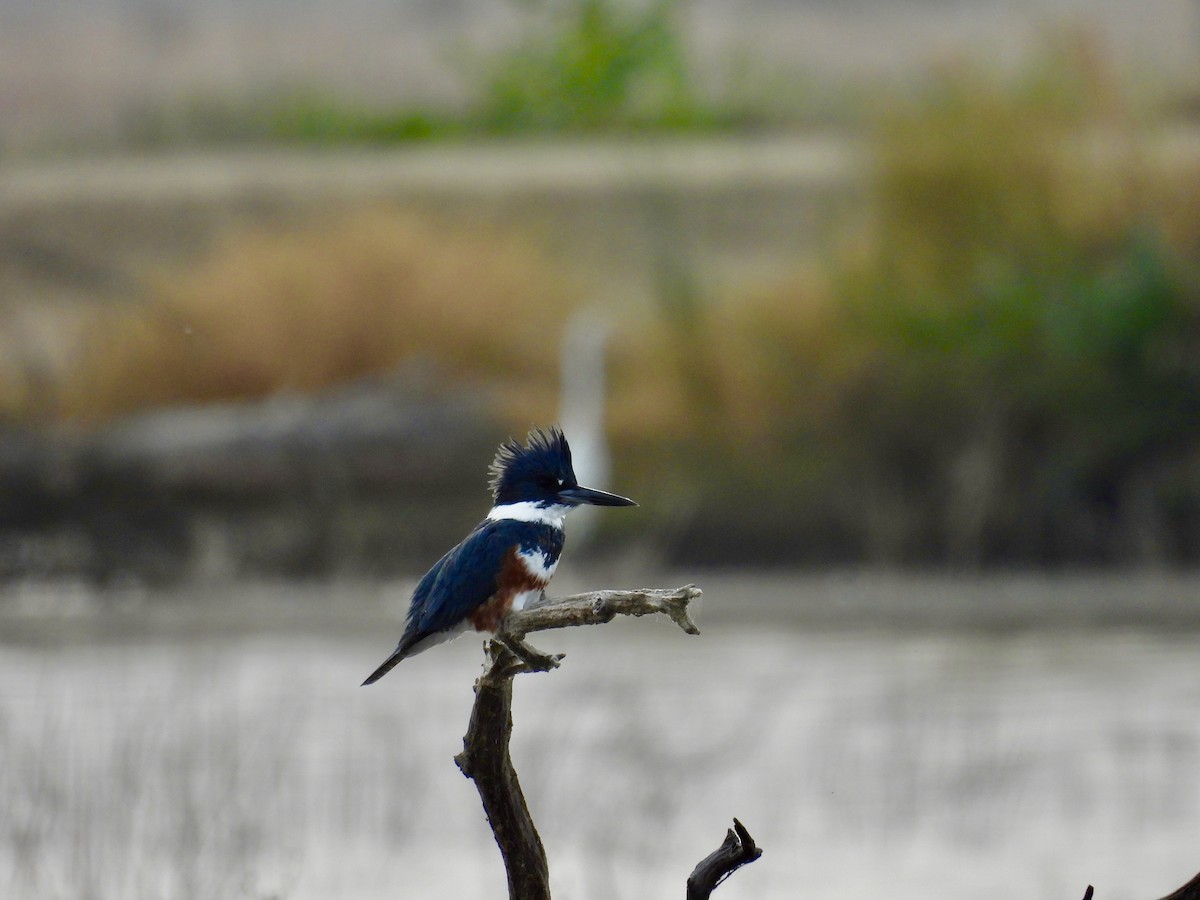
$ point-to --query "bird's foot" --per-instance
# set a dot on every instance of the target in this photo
(533, 660)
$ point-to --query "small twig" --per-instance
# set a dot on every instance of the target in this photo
(737, 850)
(534, 660)
(485, 756)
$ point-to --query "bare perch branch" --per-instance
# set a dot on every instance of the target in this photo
(737, 849)
(486, 761)
(599, 607)
(485, 756)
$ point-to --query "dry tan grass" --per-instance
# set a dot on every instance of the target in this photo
(741, 365)
(299, 309)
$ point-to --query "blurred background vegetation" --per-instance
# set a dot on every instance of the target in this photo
(987, 353)
(569, 66)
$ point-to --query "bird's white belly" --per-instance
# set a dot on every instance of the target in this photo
(438, 637)
(523, 598)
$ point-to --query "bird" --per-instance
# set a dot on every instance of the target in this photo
(510, 557)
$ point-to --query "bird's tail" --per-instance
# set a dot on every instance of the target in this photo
(413, 642)
(388, 664)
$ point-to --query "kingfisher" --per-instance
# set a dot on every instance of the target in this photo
(509, 558)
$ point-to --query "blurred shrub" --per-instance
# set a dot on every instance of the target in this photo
(576, 66)
(314, 117)
(303, 308)
(591, 64)
(1003, 365)
(299, 115)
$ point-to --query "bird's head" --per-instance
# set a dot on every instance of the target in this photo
(539, 473)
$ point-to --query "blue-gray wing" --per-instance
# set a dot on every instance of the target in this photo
(465, 579)
(457, 583)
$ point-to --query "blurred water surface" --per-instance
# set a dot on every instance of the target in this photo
(867, 760)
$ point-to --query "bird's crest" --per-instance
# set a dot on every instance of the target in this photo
(545, 452)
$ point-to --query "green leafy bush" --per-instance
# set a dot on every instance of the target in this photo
(1001, 365)
(586, 65)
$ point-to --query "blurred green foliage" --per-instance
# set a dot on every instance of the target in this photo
(312, 117)
(296, 116)
(576, 66)
(1002, 364)
(589, 65)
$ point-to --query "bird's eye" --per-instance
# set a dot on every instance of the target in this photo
(548, 483)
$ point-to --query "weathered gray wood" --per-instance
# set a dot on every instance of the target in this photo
(485, 760)
(598, 607)
(485, 756)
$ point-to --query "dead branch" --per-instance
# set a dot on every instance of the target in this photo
(736, 850)
(485, 756)
(599, 607)
(486, 761)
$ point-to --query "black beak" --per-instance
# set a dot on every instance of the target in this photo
(578, 495)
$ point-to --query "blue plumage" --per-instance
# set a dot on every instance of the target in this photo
(469, 574)
(508, 558)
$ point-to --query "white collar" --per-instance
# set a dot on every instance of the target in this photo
(528, 511)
